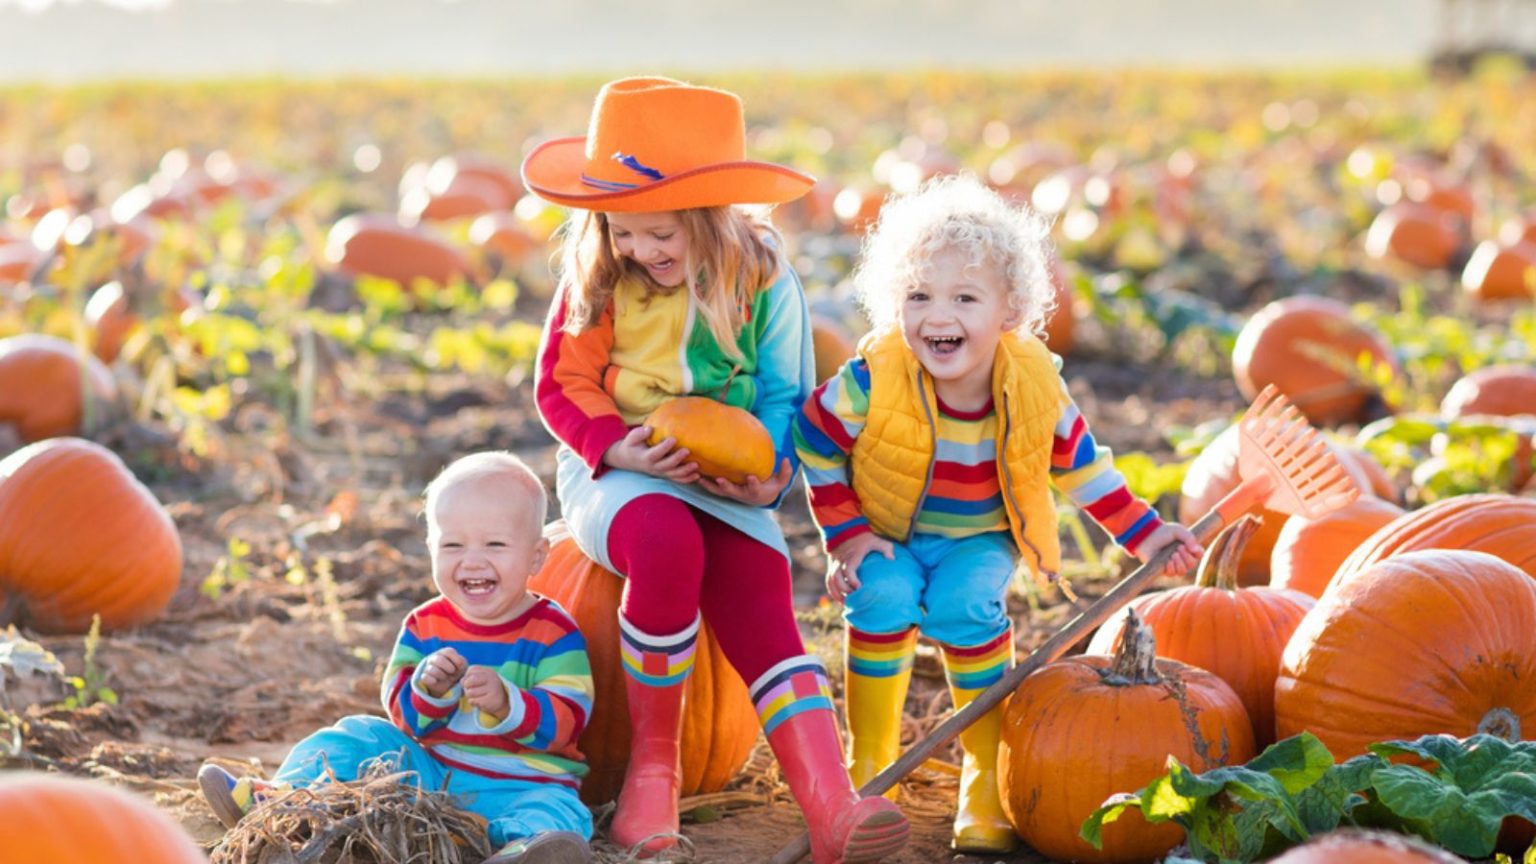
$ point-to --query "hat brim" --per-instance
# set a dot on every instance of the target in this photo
(553, 172)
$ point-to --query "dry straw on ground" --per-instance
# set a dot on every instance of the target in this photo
(379, 819)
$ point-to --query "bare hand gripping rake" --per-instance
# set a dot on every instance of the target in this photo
(1284, 465)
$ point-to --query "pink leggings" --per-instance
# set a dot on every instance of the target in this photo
(678, 561)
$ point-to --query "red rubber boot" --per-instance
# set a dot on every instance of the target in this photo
(648, 801)
(844, 828)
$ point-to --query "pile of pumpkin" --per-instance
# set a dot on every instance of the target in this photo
(79, 535)
(1367, 632)
(1330, 366)
(1428, 224)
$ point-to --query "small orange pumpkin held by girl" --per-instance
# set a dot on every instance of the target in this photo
(724, 440)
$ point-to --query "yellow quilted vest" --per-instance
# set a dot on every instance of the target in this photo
(892, 460)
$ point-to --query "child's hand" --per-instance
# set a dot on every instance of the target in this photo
(843, 572)
(755, 492)
(666, 459)
(440, 671)
(484, 690)
(1184, 558)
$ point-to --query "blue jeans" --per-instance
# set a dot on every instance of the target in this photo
(952, 590)
(514, 808)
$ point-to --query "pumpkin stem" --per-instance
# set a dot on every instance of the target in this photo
(1219, 565)
(1500, 723)
(1134, 659)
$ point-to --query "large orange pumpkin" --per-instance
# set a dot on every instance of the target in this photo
(1085, 727)
(450, 196)
(1506, 391)
(1497, 272)
(80, 535)
(1425, 642)
(1309, 348)
(1236, 633)
(1348, 846)
(1415, 233)
(504, 235)
(719, 722)
(41, 390)
(52, 819)
(110, 320)
(378, 245)
(1502, 525)
(1309, 551)
(724, 440)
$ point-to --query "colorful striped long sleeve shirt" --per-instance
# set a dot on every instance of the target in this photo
(964, 497)
(591, 387)
(541, 657)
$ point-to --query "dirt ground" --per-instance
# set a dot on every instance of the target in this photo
(242, 676)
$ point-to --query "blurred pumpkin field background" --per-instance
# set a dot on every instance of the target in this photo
(245, 319)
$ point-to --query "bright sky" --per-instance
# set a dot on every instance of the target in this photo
(40, 5)
(81, 40)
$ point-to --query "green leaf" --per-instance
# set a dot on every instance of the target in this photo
(1324, 805)
(1470, 787)
(1451, 817)
(1296, 762)
(1093, 827)
(1149, 480)
(26, 657)
(107, 695)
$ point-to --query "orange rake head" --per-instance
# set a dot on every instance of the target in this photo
(1285, 464)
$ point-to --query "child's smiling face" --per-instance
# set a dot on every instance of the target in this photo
(485, 542)
(655, 241)
(953, 320)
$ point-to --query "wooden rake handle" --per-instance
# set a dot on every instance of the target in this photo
(1069, 635)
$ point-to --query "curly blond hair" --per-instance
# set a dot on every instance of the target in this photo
(956, 212)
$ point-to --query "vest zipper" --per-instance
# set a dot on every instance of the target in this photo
(933, 454)
(1006, 417)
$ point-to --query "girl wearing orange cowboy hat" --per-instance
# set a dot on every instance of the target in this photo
(668, 290)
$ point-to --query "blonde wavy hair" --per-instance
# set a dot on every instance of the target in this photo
(956, 212)
(734, 251)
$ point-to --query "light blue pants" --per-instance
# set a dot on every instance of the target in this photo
(514, 808)
(952, 590)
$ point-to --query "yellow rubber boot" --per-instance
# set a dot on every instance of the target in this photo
(879, 668)
(980, 825)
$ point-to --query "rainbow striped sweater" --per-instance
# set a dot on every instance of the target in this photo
(650, 347)
(541, 657)
(964, 496)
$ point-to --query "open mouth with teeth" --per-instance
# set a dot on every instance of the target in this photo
(943, 345)
(477, 586)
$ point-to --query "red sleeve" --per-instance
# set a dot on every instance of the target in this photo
(568, 386)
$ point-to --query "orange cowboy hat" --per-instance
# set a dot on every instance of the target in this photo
(657, 144)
